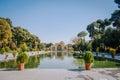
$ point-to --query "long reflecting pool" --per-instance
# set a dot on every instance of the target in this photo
(59, 60)
(64, 60)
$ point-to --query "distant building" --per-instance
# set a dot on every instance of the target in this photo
(59, 47)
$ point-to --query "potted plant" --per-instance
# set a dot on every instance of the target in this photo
(112, 51)
(22, 59)
(88, 58)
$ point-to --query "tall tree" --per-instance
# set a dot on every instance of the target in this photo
(117, 2)
(82, 34)
(5, 31)
(97, 27)
(115, 18)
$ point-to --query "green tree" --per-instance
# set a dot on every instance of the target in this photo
(117, 2)
(115, 18)
(2, 50)
(21, 35)
(76, 41)
(48, 45)
(23, 47)
(42, 46)
(82, 34)
(5, 31)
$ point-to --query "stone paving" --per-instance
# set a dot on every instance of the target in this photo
(60, 74)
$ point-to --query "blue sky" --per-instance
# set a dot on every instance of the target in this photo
(56, 20)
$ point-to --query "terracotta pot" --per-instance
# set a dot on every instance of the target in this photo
(88, 66)
(21, 66)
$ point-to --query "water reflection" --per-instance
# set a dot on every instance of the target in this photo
(79, 63)
(8, 64)
(58, 55)
(49, 60)
(33, 62)
(58, 60)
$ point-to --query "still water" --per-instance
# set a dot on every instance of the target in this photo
(60, 60)
(52, 60)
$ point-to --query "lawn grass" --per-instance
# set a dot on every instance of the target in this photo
(105, 64)
(99, 63)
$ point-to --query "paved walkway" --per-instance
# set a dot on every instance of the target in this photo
(60, 74)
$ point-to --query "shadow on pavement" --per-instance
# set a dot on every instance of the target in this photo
(8, 69)
(76, 70)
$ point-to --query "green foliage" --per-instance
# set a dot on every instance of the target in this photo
(21, 35)
(48, 45)
(88, 57)
(9, 64)
(82, 34)
(97, 51)
(75, 47)
(117, 2)
(5, 30)
(88, 46)
(112, 50)
(105, 64)
(103, 54)
(2, 50)
(23, 47)
(22, 57)
(13, 37)
(14, 52)
(33, 62)
(112, 37)
(96, 28)
(7, 49)
(115, 18)
(109, 37)
(70, 48)
(42, 46)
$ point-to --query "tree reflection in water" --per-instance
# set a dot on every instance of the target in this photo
(33, 62)
(65, 59)
(8, 64)
(79, 63)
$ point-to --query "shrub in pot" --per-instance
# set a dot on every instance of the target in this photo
(88, 58)
(22, 59)
(112, 51)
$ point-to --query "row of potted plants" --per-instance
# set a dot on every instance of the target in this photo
(22, 58)
(112, 51)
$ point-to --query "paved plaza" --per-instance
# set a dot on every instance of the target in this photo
(60, 74)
